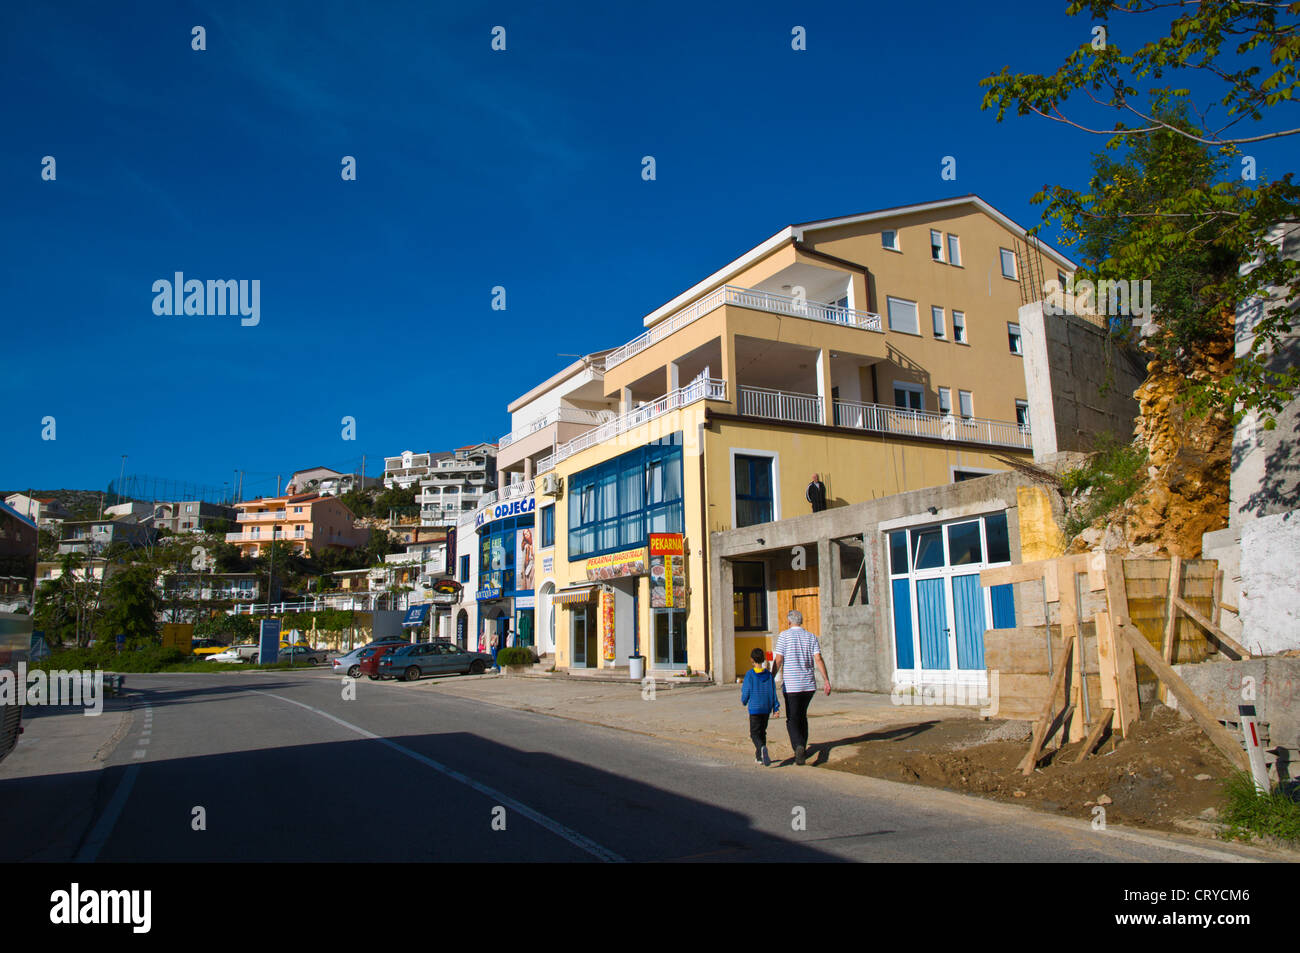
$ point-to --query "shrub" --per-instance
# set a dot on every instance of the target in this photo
(1249, 813)
(1113, 473)
(516, 656)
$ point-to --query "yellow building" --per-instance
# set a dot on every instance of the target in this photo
(308, 522)
(879, 351)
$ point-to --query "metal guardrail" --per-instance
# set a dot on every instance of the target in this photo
(883, 418)
(780, 405)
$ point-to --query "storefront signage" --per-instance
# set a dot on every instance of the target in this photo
(505, 510)
(487, 595)
(525, 602)
(631, 562)
(450, 562)
(667, 571)
(548, 564)
(447, 587)
(607, 624)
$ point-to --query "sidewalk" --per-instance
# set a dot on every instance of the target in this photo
(707, 715)
(50, 781)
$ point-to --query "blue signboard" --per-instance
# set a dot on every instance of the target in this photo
(505, 510)
(416, 615)
(268, 641)
(487, 595)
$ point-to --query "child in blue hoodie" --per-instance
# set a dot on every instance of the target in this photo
(759, 692)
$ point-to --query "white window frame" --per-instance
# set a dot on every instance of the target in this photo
(953, 250)
(776, 481)
(916, 314)
(1024, 427)
(939, 256)
(1015, 264)
(938, 322)
(959, 335)
(1019, 347)
(945, 391)
(885, 244)
(911, 388)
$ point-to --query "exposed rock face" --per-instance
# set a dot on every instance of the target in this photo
(1189, 461)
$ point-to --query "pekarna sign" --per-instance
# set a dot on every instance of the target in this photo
(505, 510)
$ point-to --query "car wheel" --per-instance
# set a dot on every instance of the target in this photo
(412, 673)
(476, 667)
(373, 678)
(253, 659)
(354, 671)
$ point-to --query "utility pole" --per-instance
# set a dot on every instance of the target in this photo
(120, 475)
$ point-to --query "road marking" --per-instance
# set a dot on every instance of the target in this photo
(555, 827)
(139, 753)
(99, 836)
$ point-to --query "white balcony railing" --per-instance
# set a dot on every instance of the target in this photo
(259, 516)
(780, 405)
(883, 418)
(704, 388)
(744, 298)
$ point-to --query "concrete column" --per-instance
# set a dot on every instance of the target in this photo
(528, 469)
(624, 400)
(824, 386)
(674, 376)
(723, 636)
(729, 370)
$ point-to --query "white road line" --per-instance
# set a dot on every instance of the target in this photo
(99, 836)
(555, 827)
(139, 753)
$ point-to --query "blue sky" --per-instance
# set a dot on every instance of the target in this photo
(474, 169)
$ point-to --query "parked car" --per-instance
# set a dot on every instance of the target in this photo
(372, 655)
(350, 664)
(229, 655)
(302, 653)
(206, 647)
(432, 658)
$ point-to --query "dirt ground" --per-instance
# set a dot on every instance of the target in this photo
(1166, 775)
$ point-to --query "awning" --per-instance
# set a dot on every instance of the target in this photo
(574, 594)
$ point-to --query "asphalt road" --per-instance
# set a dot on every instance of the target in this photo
(284, 768)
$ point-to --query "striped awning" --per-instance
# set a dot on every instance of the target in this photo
(574, 594)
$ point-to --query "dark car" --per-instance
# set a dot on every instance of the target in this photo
(371, 657)
(432, 658)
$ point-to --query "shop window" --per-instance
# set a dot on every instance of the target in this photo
(753, 486)
(464, 568)
(749, 596)
(615, 505)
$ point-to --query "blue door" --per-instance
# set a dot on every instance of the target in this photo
(932, 618)
(968, 620)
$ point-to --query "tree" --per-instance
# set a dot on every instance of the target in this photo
(1169, 208)
(131, 605)
(65, 606)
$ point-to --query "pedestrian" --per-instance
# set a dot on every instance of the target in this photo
(816, 493)
(496, 647)
(798, 652)
(758, 692)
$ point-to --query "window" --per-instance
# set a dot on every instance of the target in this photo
(954, 250)
(189, 507)
(889, 239)
(965, 404)
(908, 396)
(1008, 263)
(613, 506)
(749, 597)
(464, 568)
(1022, 414)
(936, 316)
(959, 327)
(903, 317)
(753, 482)
(1013, 338)
(936, 245)
(945, 400)
(548, 526)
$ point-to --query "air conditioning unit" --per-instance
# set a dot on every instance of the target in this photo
(553, 485)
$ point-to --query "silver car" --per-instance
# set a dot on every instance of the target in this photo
(350, 664)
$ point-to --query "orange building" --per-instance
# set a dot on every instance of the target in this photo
(309, 522)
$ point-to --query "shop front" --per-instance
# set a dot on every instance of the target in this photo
(506, 565)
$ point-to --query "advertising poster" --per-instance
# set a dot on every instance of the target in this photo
(178, 635)
(667, 571)
(630, 562)
(524, 558)
(607, 624)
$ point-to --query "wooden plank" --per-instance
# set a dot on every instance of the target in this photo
(1023, 650)
(1171, 617)
(1025, 572)
(1127, 709)
(1095, 735)
(1213, 629)
(1190, 702)
(1070, 630)
(1106, 661)
(1045, 717)
(1097, 571)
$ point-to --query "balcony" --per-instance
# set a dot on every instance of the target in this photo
(702, 389)
(882, 418)
(744, 298)
(572, 415)
(259, 516)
